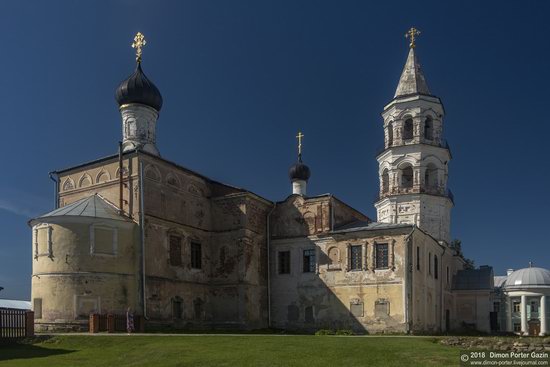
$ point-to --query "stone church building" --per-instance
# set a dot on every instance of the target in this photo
(136, 230)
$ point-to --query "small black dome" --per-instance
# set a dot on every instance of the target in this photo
(138, 89)
(299, 171)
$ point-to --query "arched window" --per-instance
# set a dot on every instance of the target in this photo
(436, 267)
(390, 134)
(428, 128)
(430, 176)
(407, 177)
(385, 181)
(408, 129)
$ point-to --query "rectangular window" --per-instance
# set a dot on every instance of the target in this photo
(37, 308)
(356, 309)
(448, 276)
(309, 261)
(382, 256)
(496, 306)
(381, 308)
(516, 306)
(430, 263)
(417, 258)
(534, 306)
(103, 240)
(196, 255)
(284, 262)
(517, 327)
(177, 308)
(175, 250)
(355, 257)
(308, 313)
(43, 241)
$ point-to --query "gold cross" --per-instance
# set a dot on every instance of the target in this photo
(300, 136)
(139, 42)
(412, 33)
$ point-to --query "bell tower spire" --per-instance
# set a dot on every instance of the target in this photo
(413, 166)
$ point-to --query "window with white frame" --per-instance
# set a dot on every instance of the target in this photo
(103, 240)
(43, 241)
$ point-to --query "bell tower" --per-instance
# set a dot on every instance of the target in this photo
(413, 166)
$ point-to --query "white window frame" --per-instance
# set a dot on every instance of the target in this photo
(49, 251)
(104, 226)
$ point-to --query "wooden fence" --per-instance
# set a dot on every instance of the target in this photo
(15, 323)
(113, 323)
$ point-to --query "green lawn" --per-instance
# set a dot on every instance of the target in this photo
(215, 350)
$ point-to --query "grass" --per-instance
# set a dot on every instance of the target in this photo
(219, 351)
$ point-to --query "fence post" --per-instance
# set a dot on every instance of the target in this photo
(29, 324)
(111, 323)
(94, 323)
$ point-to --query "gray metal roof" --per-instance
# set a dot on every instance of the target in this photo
(474, 279)
(412, 79)
(528, 278)
(12, 303)
(499, 280)
(94, 206)
(361, 225)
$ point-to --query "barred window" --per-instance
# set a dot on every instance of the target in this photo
(355, 256)
(382, 256)
(309, 261)
(177, 308)
(284, 262)
(175, 250)
(436, 267)
(196, 255)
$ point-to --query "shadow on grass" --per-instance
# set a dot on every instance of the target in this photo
(26, 350)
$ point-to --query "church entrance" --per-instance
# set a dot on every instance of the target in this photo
(534, 327)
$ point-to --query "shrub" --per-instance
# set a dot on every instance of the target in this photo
(324, 332)
(344, 332)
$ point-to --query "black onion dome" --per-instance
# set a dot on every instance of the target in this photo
(138, 89)
(299, 171)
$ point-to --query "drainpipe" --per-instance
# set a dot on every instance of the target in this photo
(142, 228)
(268, 230)
(407, 282)
(440, 264)
(56, 180)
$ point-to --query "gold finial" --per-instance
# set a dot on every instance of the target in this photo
(300, 136)
(412, 34)
(139, 42)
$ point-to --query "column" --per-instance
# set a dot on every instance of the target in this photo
(523, 310)
(542, 315)
(509, 311)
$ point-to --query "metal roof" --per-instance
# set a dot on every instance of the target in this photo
(474, 279)
(94, 206)
(412, 79)
(528, 278)
(361, 225)
(12, 303)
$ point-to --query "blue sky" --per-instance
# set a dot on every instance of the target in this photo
(240, 78)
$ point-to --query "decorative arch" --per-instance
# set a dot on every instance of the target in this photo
(428, 128)
(124, 172)
(152, 172)
(389, 127)
(194, 190)
(385, 181)
(85, 180)
(102, 176)
(405, 161)
(68, 184)
(173, 180)
(407, 176)
(408, 129)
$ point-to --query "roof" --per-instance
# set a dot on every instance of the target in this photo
(474, 279)
(499, 280)
(361, 225)
(412, 79)
(93, 206)
(12, 303)
(532, 277)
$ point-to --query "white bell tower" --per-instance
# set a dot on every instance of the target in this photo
(413, 166)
